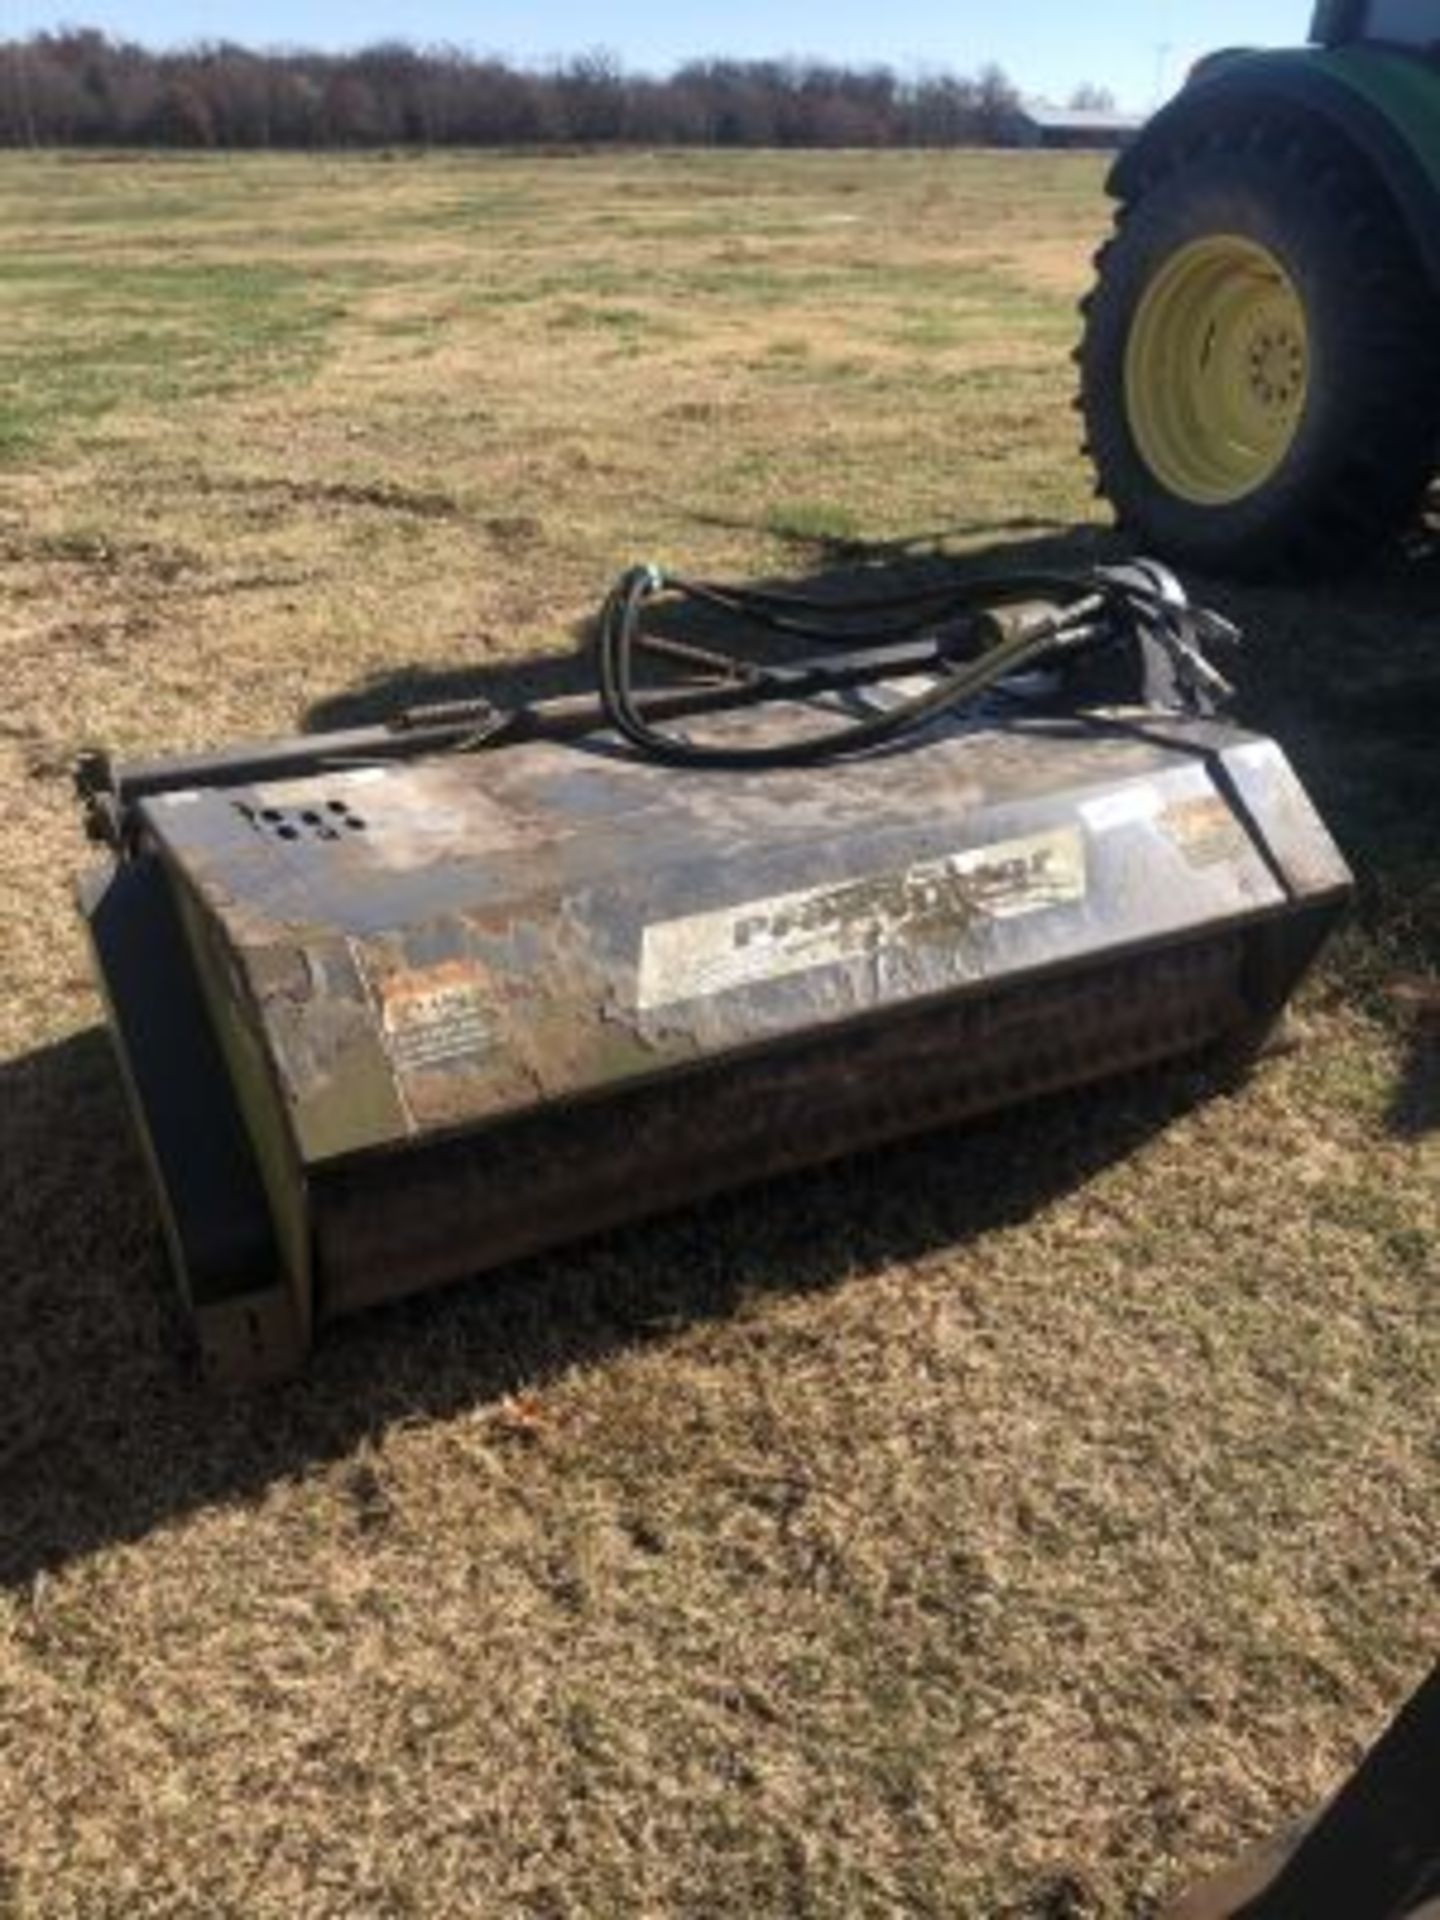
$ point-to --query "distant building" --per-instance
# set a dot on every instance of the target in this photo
(1039, 126)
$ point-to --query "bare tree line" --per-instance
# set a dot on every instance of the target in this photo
(80, 88)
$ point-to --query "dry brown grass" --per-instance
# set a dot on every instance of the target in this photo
(1007, 1526)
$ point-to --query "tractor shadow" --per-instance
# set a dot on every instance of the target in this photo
(104, 1432)
(1349, 680)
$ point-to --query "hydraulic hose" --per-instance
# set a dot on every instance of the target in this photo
(1141, 606)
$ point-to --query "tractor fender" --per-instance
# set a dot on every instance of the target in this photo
(1385, 105)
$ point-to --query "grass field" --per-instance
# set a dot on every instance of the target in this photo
(1010, 1525)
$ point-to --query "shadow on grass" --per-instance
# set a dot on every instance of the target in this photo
(1416, 1108)
(103, 1434)
(106, 1432)
(851, 549)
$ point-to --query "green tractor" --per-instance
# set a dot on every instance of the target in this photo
(1260, 368)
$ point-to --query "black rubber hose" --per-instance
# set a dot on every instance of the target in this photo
(1087, 608)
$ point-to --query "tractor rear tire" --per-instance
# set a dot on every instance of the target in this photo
(1260, 368)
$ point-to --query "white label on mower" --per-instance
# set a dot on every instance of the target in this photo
(1121, 809)
(1261, 754)
(929, 904)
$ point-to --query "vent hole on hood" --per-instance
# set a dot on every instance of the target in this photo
(323, 821)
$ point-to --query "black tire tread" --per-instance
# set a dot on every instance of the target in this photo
(1334, 504)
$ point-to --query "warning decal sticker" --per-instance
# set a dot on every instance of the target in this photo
(434, 1015)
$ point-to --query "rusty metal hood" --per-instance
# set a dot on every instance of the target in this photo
(438, 945)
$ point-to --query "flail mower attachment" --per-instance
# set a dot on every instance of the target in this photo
(398, 1004)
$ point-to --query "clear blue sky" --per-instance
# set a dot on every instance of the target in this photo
(1047, 46)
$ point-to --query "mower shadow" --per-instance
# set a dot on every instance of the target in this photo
(105, 1435)
(106, 1432)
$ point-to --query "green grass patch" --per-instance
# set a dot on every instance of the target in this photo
(146, 337)
(814, 521)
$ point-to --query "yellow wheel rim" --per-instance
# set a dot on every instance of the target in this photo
(1217, 370)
